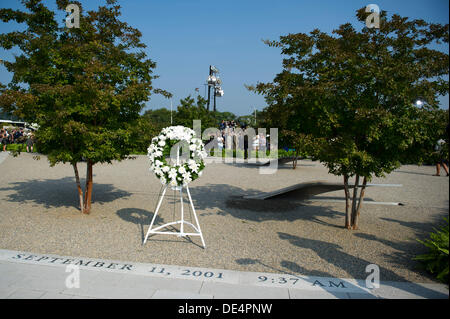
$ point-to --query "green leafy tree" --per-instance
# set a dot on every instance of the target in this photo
(83, 86)
(294, 128)
(191, 109)
(248, 120)
(160, 117)
(431, 127)
(353, 92)
(225, 116)
(146, 131)
(150, 124)
(304, 144)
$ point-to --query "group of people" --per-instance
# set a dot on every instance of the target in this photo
(233, 135)
(228, 125)
(16, 136)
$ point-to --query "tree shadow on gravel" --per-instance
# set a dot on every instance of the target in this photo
(56, 193)
(420, 228)
(229, 200)
(290, 268)
(415, 173)
(403, 257)
(139, 217)
(407, 250)
(355, 266)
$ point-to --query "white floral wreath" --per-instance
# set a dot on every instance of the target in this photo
(179, 174)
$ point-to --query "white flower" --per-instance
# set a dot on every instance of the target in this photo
(173, 182)
(165, 168)
(187, 176)
(172, 173)
(161, 143)
(163, 180)
(192, 147)
(181, 170)
(193, 166)
(201, 154)
(158, 171)
(158, 163)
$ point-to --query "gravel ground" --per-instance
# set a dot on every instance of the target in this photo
(39, 213)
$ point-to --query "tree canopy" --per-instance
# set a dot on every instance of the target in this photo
(85, 86)
(353, 93)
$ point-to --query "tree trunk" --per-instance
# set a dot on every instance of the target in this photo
(347, 203)
(88, 190)
(355, 194)
(80, 191)
(361, 198)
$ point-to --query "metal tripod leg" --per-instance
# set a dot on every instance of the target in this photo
(156, 213)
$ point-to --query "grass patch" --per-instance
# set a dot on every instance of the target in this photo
(17, 148)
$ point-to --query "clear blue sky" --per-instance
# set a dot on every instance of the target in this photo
(185, 36)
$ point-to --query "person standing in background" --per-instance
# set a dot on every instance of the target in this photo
(255, 143)
(219, 143)
(245, 140)
(440, 157)
(1, 139)
(30, 143)
(262, 144)
(5, 140)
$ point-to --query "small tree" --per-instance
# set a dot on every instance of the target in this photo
(304, 145)
(84, 86)
(431, 127)
(160, 117)
(225, 116)
(190, 110)
(353, 91)
(292, 125)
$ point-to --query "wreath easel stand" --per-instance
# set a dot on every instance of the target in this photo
(182, 222)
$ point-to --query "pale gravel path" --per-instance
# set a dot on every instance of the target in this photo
(3, 156)
(38, 213)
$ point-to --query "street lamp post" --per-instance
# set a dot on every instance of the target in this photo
(213, 83)
(209, 86)
(171, 120)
